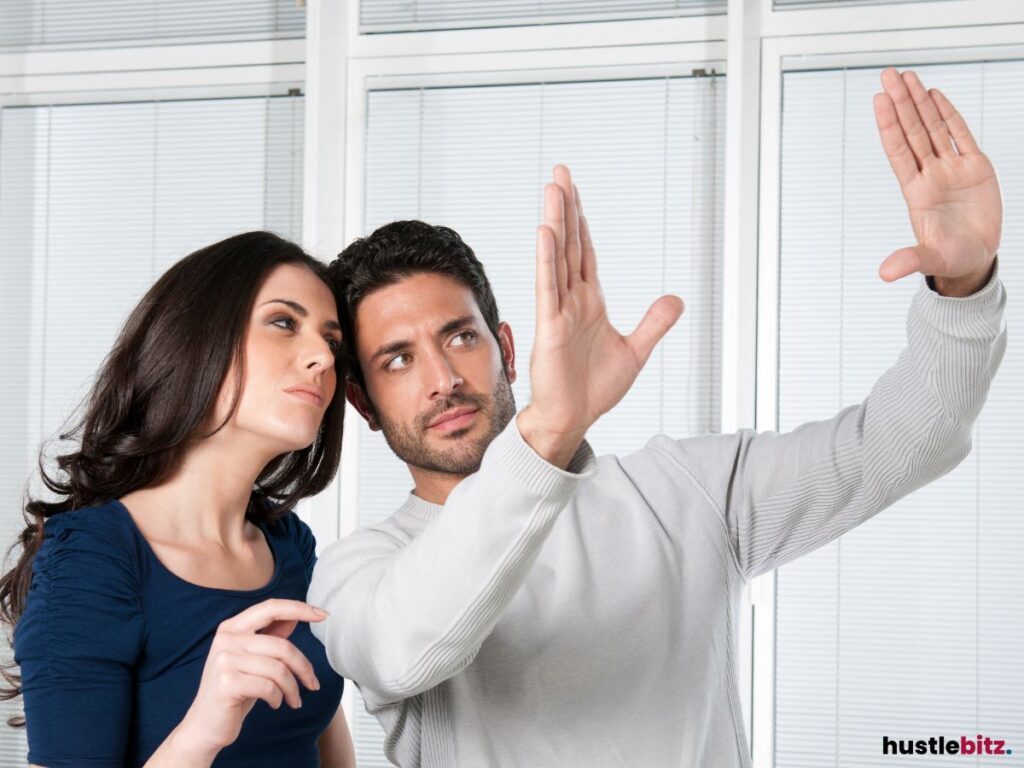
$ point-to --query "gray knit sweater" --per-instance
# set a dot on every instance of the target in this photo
(586, 618)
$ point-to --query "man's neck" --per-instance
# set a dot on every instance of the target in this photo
(432, 486)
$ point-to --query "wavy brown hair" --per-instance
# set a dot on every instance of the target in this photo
(155, 391)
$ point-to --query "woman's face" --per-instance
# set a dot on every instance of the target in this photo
(289, 378)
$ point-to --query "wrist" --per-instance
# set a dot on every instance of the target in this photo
(187, 748)
(554, 446)
(961, 287)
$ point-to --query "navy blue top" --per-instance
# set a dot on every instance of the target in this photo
(112, 647)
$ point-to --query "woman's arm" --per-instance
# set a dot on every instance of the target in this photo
(250, 658)
(336, 749)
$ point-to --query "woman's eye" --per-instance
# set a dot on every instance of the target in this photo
(335, 345)
(284, 321)
(392, 364)
(466, 336)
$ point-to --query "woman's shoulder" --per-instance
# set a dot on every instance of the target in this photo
(98, 536)
(292, 533)
(290, 526)
(84, 596)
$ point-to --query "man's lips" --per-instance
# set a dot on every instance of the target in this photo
(457, 418)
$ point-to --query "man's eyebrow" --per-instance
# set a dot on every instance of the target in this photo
(394, 347)
(457, 323)
(301, 311)
(390, 349)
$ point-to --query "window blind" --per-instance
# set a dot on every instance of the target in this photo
(418, 15)
(788, 4)
(909, 625)
(647, 157)
(96, 201)
(100, 23)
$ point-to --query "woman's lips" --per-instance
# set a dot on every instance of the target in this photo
(309, 397)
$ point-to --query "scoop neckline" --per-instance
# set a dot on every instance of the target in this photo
(274, 579)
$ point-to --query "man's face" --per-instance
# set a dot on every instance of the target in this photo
(438, 384)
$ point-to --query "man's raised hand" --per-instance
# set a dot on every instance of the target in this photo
(580, 366)
(949, 184)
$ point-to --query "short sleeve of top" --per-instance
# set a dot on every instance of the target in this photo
(305, 542)
(78, 642)
(112, 646)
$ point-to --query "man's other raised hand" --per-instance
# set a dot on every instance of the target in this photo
(950, 186)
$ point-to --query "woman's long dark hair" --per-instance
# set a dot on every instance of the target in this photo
(158, 387)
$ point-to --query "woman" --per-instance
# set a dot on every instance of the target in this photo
(157, 603)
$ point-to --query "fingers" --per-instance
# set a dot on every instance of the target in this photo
(965, 143)
(563, 178)
(588, 257)
(893, 141)
(942, 145)
(266, 613)
(901, 263)
(554, 220)
(274, 671)
(547, 277)
(284, 652)
(661, 316)
(279, 628)
(909, 118)
(256, 687)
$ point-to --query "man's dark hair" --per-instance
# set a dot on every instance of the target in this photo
(395, 252)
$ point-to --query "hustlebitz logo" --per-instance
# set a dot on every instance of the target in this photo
(941, 745)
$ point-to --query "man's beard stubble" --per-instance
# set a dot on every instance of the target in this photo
(464, 457)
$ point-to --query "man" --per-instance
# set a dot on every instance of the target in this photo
(529, 605)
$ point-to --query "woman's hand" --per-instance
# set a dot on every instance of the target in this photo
(249, 659)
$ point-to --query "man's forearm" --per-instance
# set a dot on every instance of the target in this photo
(405, 616)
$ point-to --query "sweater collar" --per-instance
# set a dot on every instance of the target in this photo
(420, 508)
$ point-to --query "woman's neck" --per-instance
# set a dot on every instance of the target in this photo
(207, 495)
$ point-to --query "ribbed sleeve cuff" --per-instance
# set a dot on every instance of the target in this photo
(519, 461)
(978, 316)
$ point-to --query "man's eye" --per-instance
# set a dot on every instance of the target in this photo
(467, 337)
(397, 363)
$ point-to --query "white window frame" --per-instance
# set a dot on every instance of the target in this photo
(967, 41)
(470, 57)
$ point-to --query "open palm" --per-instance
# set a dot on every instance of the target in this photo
(581, 366)
(950, 186)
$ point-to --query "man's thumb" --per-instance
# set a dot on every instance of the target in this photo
(900, 263)
(661, 316)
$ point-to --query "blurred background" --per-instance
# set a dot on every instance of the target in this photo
(725, 151)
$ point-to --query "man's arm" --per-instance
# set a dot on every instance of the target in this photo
(780, 496)
(404, 617)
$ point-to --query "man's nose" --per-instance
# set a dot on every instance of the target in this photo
(443, 378)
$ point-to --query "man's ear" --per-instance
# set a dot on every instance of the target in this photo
(508, 351)
(355, 395)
